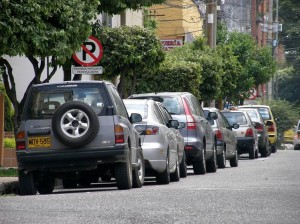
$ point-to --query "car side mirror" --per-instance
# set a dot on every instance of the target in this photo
(235, 126)
(173, 124)
(213, 115)
(181, 125)
(135, 117)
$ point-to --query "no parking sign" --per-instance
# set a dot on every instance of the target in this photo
(90, 53)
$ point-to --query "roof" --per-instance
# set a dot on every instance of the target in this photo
(253, 106)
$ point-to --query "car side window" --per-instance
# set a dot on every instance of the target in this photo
(198, 109)
(226, 123)
(120, 107)
(158, 114)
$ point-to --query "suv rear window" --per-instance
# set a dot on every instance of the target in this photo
(44, 101)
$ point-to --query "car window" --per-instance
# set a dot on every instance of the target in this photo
(120, 107)
(173, 105)
(225, 121)
(264, 112)
(158, 115)
(236, 117)
(211, 121)
(137, 108)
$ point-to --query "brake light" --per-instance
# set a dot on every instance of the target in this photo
(271, 128)
(147, 129)
(219, 134)
(188, 147)
(191, 124)
(259, 127)
(119, 134)
(249, 133)
(20, 145)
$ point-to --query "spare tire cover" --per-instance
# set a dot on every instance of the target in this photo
(75, 123)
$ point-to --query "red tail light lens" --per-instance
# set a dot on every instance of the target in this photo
(191, 124)
(119, 134)
(219, 135)
(259, 127)
(20, 145)
(147, 129)
(271, 128)
(249, 133)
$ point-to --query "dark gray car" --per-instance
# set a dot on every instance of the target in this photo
(77, 131)
(199, 137)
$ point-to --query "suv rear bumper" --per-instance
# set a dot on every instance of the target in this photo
(245, 144)
(71, 159)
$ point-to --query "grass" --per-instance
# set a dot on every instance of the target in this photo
(9, 143)
(10, 172)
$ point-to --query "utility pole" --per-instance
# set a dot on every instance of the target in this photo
(211, 24)
(270, 43)
(275, 45)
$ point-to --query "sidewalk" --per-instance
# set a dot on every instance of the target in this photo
(9, 185)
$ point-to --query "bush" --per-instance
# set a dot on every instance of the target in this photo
(9, 143)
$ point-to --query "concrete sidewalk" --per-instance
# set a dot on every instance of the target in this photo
(9, 185)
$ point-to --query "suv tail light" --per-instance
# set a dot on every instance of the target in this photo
(20, 140)
(219, 135)
(191, 124)
(147, 129)
(249, 133)
(119, 134)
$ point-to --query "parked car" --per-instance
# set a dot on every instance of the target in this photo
(159, 142)
(262, 131)
(297, 137)
(246, 134)
(270, 121)
(226, 140)
(77, 131)
(199, 137)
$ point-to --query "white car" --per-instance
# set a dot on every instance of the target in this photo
(297, 136)
(246, 134)
(159, 142)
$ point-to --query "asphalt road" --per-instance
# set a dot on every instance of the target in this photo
(265, 190)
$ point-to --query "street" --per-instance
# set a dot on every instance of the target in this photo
(264, 190)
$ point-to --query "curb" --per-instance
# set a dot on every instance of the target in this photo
(9, 188)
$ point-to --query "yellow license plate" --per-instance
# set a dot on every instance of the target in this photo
(39, 142)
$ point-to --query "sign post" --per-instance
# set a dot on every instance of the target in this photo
(90, 53)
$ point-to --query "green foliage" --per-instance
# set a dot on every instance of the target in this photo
(11, 172)
(128, 52)
(149, 22)
(9, 143)
(45, 28)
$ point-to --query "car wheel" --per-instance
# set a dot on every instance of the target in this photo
(139, 172)
(252, 152)
(183, 166)
(234, 162)
(123, 174)
(222, 159)
(75, 123)
(212, 164)
(264, 151)
(175, 177)
(199, 167)
(26, 183)
(273, 148)
(45, 185)
(164, 177)
(256, 153)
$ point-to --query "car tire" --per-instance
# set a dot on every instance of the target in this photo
(221, 159)
(252, 152)
(175, 177)
(212, 165)
(256, 154)
(72, 129)
(183, 166)
(264, 151)
(273, 148)
(234, 162)
(199, 167)
(164, 177)
(139, 172)
(123, 174)
(45, 185)
(26, 183)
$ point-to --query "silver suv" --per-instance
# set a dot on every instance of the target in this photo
(77, 131)
(199, 137)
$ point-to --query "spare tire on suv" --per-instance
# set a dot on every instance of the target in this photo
(74, 129)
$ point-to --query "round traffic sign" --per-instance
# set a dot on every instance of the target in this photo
(90, 53)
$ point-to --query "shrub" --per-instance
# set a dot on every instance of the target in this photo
(9, 143)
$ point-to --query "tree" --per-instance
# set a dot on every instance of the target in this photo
(36, 30)
(129, 52)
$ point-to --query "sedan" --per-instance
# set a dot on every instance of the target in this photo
(297, 136)
(226, 140)
(159, 142)
(246, 134)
